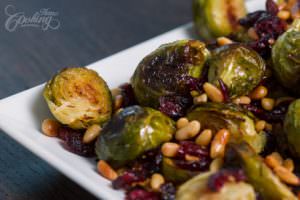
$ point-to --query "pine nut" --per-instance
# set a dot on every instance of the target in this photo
(169, 149)
(50, 127)
(260, 125)
(268, 103)
(182, 122)
(289, 164)
(204, 138)
(91, 133)
(252, 34)
(106, 171)
(286, 176)
(259, 92)
(219, 142)
(213, 93)
(224, 41)
(200, 99)
(189, 131)
(216, 165)
(118, 102)
(242, 100)
(191, 158)
(284, 14)
(273, 160)
(156, 181)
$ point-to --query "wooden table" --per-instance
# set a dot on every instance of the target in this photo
(88, 31)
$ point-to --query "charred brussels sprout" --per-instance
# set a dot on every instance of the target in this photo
(196, 189)
(215, 18)
(292, 127)
(240, 123)
(132, 132)
(286, 60)
(78, 98)
(168, 70)
(239, 67)
(257, 172)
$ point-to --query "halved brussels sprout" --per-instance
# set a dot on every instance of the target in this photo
(78, 98)
(132, 132)
(175, 174)
(292, 127)
(196, 189)
(286, 60)
(168, 70)
(239, 67)
(239, 122)
(215, 18)
(259, 175)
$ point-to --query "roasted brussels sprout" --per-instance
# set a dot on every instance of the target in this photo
(196, 189)
(216, 116)
(168, 70)
(259, 175)
(286, 60)
(215, 18)
(78, 98)
(175, 174)
(132, 132)
(292, 127)
(239, 67)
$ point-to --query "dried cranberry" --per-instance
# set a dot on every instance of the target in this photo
(272, 7)
(190, 148)
(168, 191)
(141, 194)
(274, 116)
(174, 106)
(126, 180)
(195, 83)
(217, 180)
(128, 95)
(201, 165)
(150, 161)
(224, 90)
(73, 141)
(252, 18)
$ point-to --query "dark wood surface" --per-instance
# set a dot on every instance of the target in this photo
(89, 30)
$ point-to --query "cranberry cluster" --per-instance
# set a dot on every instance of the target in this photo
(74, 143)
(267, 26)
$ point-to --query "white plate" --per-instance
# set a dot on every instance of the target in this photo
(21, 114)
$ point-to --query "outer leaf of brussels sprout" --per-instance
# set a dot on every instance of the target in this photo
(286, 60)
(78, 97)
(239, 67)
(292, 127)
(166, 71)
(216, 116)
(173, 173)
(196, 188)
(132, 132)
(259, 175)
(215, 18)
